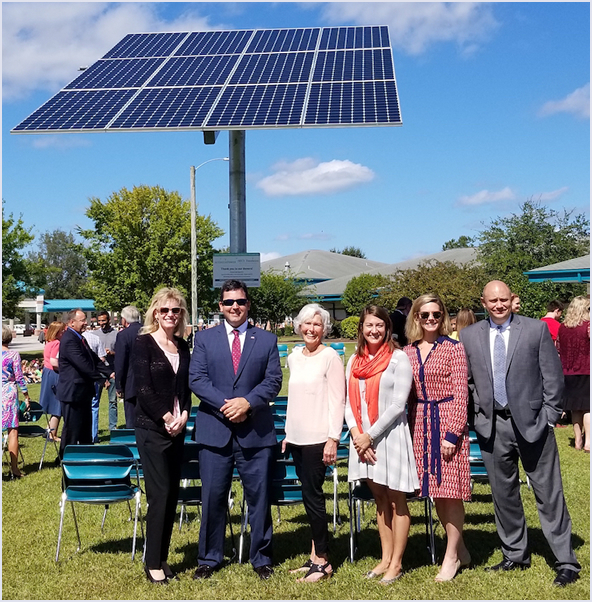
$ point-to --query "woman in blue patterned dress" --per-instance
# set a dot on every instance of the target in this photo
(12, 375)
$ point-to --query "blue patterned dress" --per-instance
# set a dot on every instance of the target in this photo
(12, 375)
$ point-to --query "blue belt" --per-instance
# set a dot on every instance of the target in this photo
(435, 466)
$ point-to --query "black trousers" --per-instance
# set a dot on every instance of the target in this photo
(129, 407)
(308, 461)
(161, 457)
(77, 429)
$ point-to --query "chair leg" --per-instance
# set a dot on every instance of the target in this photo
(352, 520)
(279, 516)
(181, 517)
(429, 520)
(335, 499)
(135, 525)
(231, 536)
(104, 516)
(62, 510)
(44, 448)
(76, 525)
(244, 518)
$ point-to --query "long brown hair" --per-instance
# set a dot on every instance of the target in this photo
(381, 314)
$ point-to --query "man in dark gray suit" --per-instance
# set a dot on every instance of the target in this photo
(516, 382)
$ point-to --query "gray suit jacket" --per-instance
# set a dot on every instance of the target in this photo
(534, 377)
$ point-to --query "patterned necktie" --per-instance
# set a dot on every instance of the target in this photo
(236, 350)
(499, 369)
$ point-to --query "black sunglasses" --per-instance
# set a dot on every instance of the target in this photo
(424, 315)
(231, 302)
(165, 310)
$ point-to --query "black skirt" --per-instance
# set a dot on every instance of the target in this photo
(576, 396)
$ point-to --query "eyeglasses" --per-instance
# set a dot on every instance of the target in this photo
(231, 302)
(165, 310)
(424, 315)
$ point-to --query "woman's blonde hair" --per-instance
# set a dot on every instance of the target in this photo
(164, 294)
(465, 317)
(53, 331)
(577, 312)
(413, 329)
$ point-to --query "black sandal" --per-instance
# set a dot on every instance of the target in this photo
(304, 567)
(317, 568)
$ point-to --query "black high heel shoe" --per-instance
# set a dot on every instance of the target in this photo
(152, 579)
(168, 573)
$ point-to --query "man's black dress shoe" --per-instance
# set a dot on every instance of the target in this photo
(204, 571)
(264, 572)
(507, 565)
(565, 576)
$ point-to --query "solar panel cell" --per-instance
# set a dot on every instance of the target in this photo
(146, 45)
(124, 73)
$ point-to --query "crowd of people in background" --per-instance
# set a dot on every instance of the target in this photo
(416, 382)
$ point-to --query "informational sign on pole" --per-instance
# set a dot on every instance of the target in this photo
(237, 266)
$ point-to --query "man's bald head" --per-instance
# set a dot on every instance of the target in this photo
(497, 300)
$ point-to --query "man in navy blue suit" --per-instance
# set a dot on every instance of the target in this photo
(235, 372)
(79, 368)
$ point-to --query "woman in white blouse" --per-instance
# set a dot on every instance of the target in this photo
(314, 421)
(379, 379)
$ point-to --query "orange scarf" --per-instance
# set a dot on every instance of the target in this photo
(371, 370)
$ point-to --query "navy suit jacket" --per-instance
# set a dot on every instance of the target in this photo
(212, 379)
(79, 368)
(124, 373)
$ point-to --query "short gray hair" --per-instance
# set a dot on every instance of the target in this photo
(6, 335)
(309, 311)
(130, 314)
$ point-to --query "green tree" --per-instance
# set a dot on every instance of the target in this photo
(351, 251)
(462, 242)
(61, 265)
(535, 237)
(277, 298)
(457, 285)
(18, 273)
(361, 290)
(141, 241)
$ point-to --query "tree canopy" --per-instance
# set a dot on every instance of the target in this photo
(462, 242)
(276, 298)
(360, 291)
(535, 237)
(141, 240)
(457, 285)
(351, 251)
(61, 265)
(18, 273)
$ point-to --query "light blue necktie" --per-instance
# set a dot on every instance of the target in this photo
(499, 369)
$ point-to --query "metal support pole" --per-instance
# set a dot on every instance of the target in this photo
(193, 253)
(237, 192)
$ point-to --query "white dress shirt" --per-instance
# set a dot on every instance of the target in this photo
(242, 333)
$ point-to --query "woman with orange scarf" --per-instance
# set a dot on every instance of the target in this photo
(379, 379)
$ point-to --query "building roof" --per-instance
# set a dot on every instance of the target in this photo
(318, 266)
(68, 304)
(333, 289)
(572, 270)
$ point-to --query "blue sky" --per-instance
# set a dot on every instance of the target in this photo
(495, 101)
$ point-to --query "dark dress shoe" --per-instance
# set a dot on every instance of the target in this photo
(264, 572)
(565, 576)
(152, 579)
(507, 565)
(204, 571)
(168, 573)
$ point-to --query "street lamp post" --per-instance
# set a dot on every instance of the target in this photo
(192, 171)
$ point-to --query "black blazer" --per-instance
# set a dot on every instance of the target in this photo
(79, 368)
(157, 384)
(124, 373)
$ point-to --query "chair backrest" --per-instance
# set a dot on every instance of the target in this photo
(122, 436)
(338, 345)
(100, 464)
(190, 463)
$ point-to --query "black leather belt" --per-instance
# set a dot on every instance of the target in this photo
(505, 412)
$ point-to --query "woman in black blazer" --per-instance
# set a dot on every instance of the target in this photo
(161, 370)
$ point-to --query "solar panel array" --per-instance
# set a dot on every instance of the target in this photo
(221, 80)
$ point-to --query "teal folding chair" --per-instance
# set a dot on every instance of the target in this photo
(283, 351)
(340, 348)
(30, 428)
(127, 437)
(99, 475)
(476, 464)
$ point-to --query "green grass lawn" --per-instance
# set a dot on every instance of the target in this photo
(103, 568)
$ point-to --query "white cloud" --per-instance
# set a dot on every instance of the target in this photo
(576, 103)
(60, 142)
(269, 256)
(315, 236)
(306, 176)
(486, 196)
(415, 26)
(44, 44)
(552, 195)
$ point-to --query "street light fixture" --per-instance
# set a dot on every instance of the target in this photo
(192, 171)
